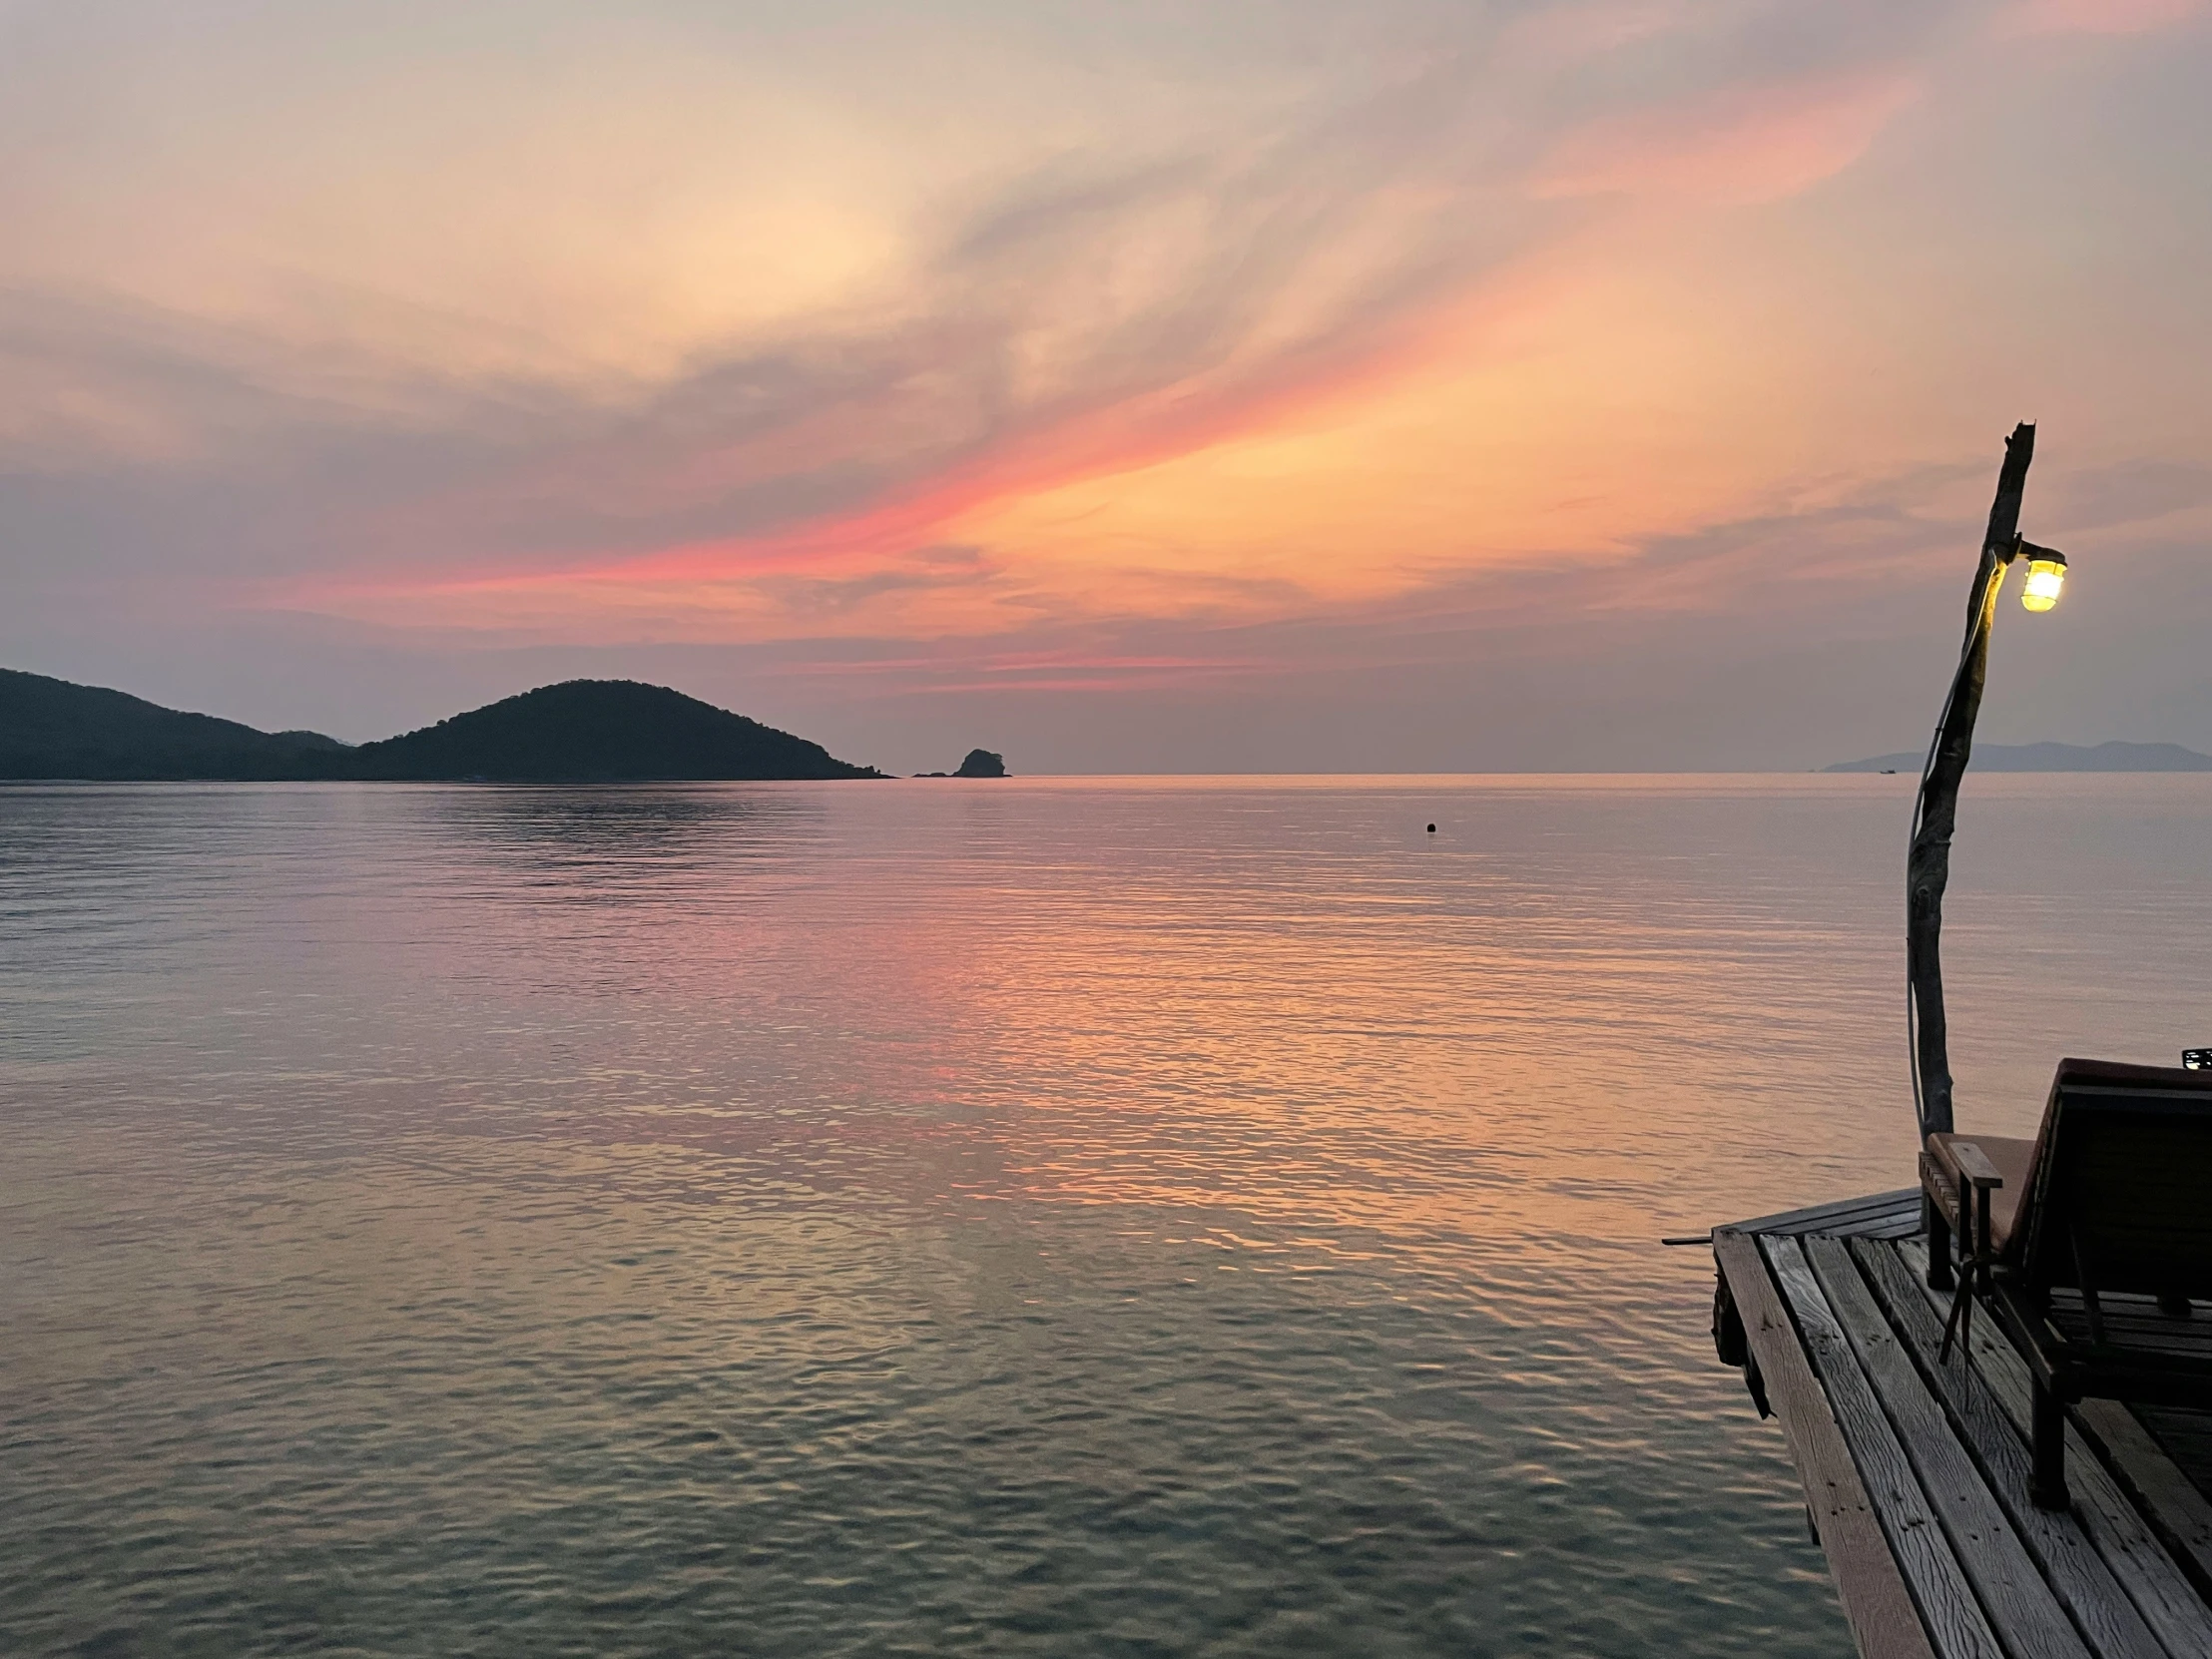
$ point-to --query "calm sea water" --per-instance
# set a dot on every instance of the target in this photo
(1051, 1217)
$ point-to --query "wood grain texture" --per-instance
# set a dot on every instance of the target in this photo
(2132, 1547)
(1974, 1164)
(1869, 1578)
(2018, 1602)
(2176, 1508)
(2135, 1322)
(1950, 1612)
(2185, 1431)
(1848, 1215)
(2078, 1576)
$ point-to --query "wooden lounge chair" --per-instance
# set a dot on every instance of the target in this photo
(2092, 1242)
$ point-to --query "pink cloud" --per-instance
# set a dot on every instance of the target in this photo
(2102, 17)
(1742, 144)
(1567, 33)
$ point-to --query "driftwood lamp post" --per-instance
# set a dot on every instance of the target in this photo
(1927, 867)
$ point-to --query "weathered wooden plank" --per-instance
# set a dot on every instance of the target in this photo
(2185, 1431)
(1948, 1607)
(2132, 1547)
(2006, 1579)
(1902, 1227)
(2125, 1311)
(1840, 1215)
(2176, 1508)
(1870, 1580)
(2078, 1575)
(1900, 1221)
(2135, 1321)
(1974, 1164)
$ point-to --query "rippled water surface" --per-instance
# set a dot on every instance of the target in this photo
(1078, 1217)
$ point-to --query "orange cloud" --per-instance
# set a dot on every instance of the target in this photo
(1458, 444)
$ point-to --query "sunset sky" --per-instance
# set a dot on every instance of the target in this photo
(1239, 386)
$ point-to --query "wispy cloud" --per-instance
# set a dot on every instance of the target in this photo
(546, 326)
(1743, 144)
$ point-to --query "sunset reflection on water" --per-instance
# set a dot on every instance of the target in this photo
(1049, 1216)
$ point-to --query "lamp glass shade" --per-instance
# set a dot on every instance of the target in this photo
(2045, 579)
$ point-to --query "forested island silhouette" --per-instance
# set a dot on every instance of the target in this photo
(577, 732)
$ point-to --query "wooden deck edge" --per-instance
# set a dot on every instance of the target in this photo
(1840, 1213)
(1912, 1522)
(1877, 1603)
(1914, 1465)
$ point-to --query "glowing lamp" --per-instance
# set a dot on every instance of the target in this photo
(2047, 577)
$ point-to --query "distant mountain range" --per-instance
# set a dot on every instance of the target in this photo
(2052, 757)
(583, 731)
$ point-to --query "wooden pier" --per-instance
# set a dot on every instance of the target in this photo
(1916, 1470)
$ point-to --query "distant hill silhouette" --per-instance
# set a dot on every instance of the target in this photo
(584, 731)
(53, 729)
(2053, 757)
(596, 731)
